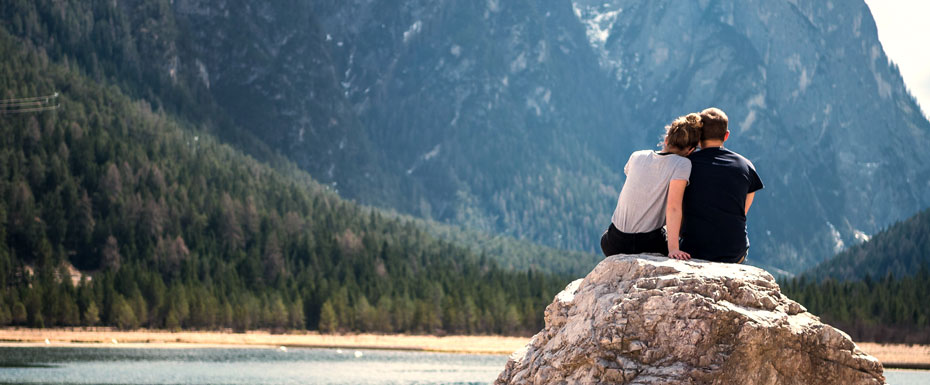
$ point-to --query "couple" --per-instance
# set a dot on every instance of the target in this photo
(705, 194)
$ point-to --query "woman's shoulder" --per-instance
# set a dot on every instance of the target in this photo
(660, 157)
(641, 153)
(640, 156)
(678, 161)
(681, 159)
(675, 158)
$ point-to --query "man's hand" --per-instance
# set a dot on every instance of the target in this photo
(678, 254)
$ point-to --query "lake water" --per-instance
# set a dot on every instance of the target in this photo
(58, 365)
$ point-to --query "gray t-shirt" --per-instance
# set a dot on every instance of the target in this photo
(641, 205)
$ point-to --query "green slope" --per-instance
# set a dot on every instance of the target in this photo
(877, 290)
(901, 250)
(176, 229)
(246, 80)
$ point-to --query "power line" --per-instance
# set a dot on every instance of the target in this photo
(37, 109)
(35, 103)
(29, 104)
(33, 98)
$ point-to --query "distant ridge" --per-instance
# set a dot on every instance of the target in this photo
(900, 250)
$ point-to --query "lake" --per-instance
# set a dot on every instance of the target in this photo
(97, 365)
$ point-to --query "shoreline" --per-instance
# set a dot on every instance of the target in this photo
(111, 338)
(899, 356)
(892, 356)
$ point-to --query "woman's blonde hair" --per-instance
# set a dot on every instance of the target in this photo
(684, 132)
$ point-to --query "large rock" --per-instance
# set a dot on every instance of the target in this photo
(651, 320)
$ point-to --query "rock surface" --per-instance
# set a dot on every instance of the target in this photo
(651, 320)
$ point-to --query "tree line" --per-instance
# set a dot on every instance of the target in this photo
(890, 309)
(876, 290)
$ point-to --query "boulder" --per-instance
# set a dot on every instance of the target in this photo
(642, 319)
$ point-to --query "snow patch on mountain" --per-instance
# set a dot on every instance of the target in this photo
(838, 244)
(202, 73)
(518, 64)
(754, 103)
(494, 5)
(861, 236)
(539, 99)
(598, 21)
(425, 157)
(413, 30)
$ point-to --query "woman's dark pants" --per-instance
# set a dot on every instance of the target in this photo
(615, 242)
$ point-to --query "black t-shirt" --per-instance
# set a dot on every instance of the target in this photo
(714, 218)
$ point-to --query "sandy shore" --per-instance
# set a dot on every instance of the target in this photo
(892, 355)
(106, 337)
(899, 355)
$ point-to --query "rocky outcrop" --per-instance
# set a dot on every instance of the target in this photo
(651, 320)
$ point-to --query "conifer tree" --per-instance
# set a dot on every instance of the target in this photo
(329, 323)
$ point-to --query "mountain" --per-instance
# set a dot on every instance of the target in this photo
(499, 111)
(113, 212)
(900, 250)
(516, 117)
(812, 99)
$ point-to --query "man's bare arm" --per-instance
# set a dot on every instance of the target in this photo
(749, 198)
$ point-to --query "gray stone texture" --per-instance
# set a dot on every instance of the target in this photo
(641, 319)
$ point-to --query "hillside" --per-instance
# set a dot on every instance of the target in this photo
(170, 228)
(877, 290)
(148, 49)
(900, 250)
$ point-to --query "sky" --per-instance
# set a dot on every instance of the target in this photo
(904, 31)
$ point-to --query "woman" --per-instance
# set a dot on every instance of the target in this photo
(651, 196)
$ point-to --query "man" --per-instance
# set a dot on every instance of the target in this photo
(723, 184)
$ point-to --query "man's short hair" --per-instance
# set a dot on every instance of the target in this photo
(715, 124)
